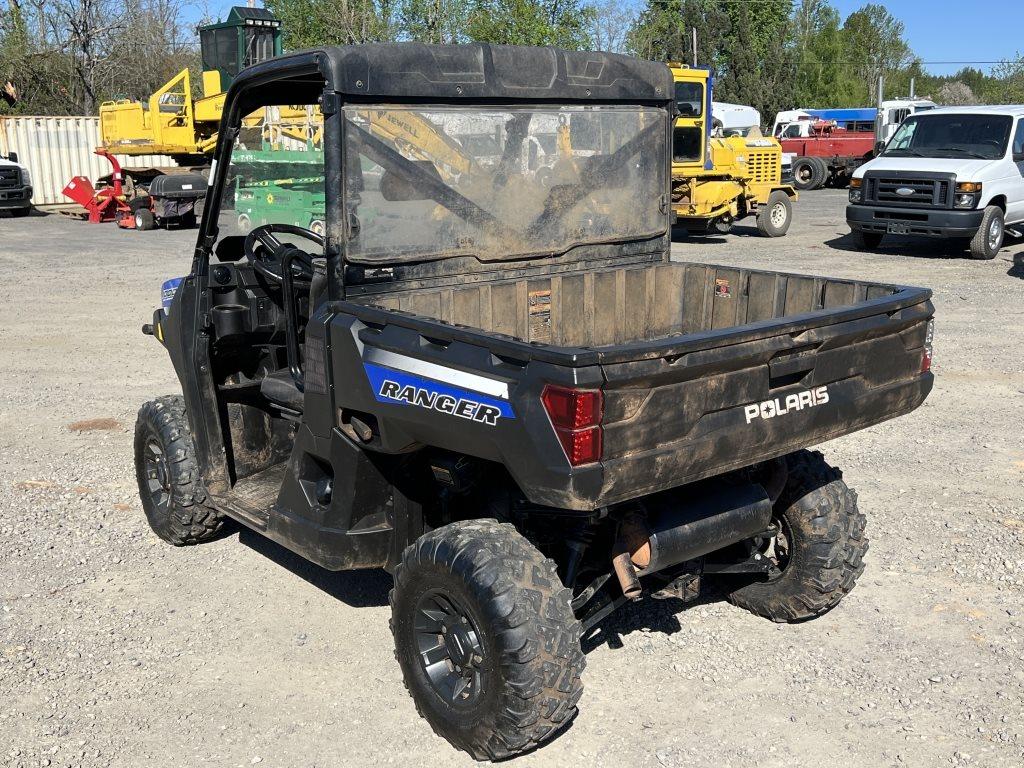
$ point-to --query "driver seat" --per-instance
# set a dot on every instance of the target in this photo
(279, 387)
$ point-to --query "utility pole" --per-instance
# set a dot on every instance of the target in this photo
(879, 114)
(694, 30)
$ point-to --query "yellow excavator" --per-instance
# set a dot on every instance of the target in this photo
(718, 180)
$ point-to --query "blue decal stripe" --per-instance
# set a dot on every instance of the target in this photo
(432, 389)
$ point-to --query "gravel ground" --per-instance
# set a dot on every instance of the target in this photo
(116, 649)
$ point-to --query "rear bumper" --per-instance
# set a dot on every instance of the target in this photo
(913, 221)
(19, 197)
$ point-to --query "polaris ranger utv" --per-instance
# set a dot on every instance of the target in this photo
(494, 382)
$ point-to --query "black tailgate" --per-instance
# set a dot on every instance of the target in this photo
(680, 410)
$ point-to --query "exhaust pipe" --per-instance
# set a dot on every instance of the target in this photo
(632, 535)
(708, 521)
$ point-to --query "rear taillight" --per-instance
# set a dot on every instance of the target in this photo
(926, 356)
(576, 416)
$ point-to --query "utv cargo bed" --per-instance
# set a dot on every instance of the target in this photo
(703, 369)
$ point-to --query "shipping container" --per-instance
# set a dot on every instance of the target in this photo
(56, 148)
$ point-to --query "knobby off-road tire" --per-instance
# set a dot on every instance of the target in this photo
(819, 515)
(480, 588)
(170, 487)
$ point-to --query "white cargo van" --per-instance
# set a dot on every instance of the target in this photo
(955, 172)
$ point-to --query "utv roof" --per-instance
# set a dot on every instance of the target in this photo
(417, 72)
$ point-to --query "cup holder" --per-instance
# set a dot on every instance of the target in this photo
(230, 320)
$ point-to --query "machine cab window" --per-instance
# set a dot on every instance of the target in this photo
(690, 99)
(248, 36)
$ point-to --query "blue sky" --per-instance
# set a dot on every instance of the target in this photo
(937, 30)
(955, 30)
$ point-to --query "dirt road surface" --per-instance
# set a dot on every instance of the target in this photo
(116, 649)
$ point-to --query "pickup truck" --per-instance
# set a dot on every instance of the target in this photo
(955, 172)
(498, 385)
(15, 186)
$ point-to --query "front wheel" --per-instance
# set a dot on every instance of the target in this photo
(775, 216)
(989, 238)
(170, 487)
(486, 638)
(21, 212)
(818, 547)
(866, 241)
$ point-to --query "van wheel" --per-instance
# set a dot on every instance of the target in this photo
(818, 548)
(172, 493)
(486, 638)
(989, 238)
(866, 241)
(20, 212)
(774, 218)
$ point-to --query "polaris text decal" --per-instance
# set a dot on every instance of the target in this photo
(780, 406)
(398, 387)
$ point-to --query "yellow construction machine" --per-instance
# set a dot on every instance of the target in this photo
(717, 180)
(172, 121)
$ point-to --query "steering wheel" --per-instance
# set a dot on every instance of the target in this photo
(267, 259)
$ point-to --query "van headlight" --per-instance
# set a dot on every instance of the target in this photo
(855, 190)
(967, 194)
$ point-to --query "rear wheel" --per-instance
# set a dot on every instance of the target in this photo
(171, 490)
(823, 173)
(144, 220)
(818, 547)
(486, 638)
(808, 173)
(866, 241)
(989, 238)
(775, 216)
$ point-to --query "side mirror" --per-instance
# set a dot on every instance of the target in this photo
(879, 146)
(13, 157)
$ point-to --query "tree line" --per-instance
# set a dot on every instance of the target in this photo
(67, 56)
